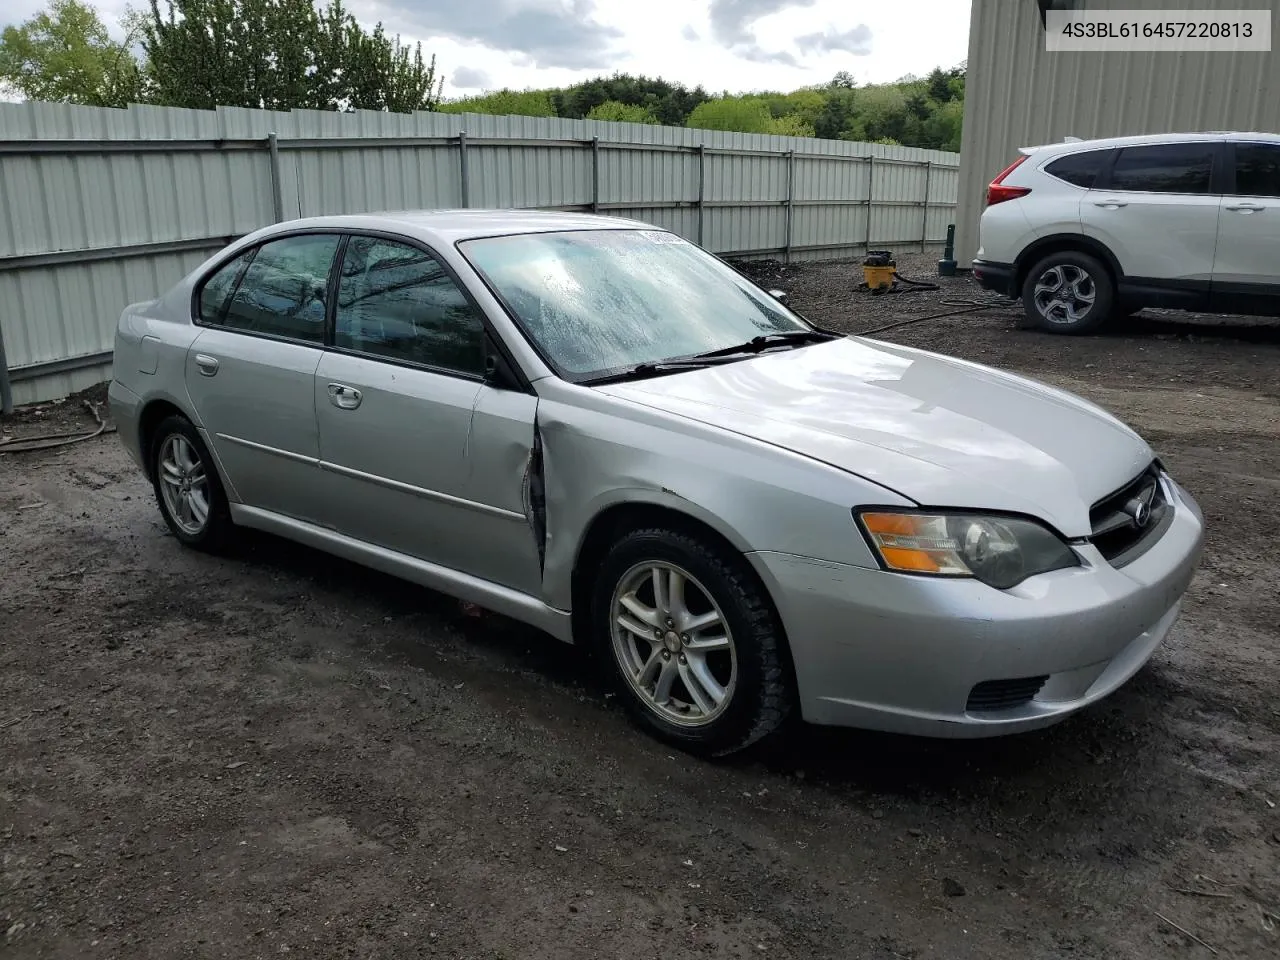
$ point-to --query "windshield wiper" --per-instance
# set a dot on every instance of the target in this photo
(767, 340)
(655, 368)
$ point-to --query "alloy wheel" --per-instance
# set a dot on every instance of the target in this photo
(1065, 293)
(184, 484)
(673, 644)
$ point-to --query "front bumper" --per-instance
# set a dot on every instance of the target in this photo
(894, 652)
(997, 277)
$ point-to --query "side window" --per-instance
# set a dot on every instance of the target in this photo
(217, 289)
(1257, 170)
(283, 291)
(398, 302)
(1080, 169)
(1164, 168)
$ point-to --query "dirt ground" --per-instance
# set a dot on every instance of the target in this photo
(278, 753)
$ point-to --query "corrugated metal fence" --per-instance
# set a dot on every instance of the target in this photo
(100, 208)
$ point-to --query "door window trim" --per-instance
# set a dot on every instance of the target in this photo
(1217, 169)
(252, 249)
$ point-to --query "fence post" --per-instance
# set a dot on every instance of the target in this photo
(277, 188)
(462, 167)
(595, 174)
(702, 193)
(924, 217)
(791, 196)
(6, 392)
(871, 182)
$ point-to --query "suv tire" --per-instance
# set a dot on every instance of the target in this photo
(1068, 292)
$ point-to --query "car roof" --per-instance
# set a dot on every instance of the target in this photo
(450, 226)
(1072, 146)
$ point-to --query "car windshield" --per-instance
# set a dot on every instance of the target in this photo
(599, 302)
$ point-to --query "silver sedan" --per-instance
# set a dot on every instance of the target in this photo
(593, 426)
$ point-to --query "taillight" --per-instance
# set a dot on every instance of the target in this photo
(997, 192)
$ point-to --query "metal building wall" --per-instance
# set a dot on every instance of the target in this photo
(100, 208)
(1019, 95)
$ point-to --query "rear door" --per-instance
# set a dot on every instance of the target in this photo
(250, 372)
(418, 453)
(1246, 268)
(1156, 208)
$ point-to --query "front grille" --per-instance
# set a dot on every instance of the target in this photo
(1003, 694)
(1117, 534)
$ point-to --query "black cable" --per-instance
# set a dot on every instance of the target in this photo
(50, 441)
(967, 306)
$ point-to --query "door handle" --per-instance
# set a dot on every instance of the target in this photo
(344, 397)
(206, 364)
(1111, 204)
(1246, 207)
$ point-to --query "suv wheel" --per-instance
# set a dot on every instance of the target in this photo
(692, 642)
(1068, 292)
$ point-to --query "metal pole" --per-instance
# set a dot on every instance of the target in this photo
(6, 391)
(702, 193)
(871, 182)
(791, 196)
(924, 217)
(462, 166)
(595, 174)
(277, 189)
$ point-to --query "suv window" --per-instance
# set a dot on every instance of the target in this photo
(1164, 168)
(1257, 170)
(397, 301)
(217, 289)
(282, 293)
(1081, 169)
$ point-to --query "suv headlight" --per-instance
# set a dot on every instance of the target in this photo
(999, 551)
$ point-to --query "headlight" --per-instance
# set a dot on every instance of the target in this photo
(999, 551)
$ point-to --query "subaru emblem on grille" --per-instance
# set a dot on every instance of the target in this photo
(1139, 508)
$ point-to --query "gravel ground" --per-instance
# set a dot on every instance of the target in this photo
(278, 752)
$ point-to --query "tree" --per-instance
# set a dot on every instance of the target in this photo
(281, 54)
(742, 114)
(617, 112)
(670, 103)
(502, 103)
(65, 54)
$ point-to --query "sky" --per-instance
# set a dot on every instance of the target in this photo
(734, 45)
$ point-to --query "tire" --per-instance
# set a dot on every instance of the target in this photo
(1068, 292)
(751, 670)
(188, 489)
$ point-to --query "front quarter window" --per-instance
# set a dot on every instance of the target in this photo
(599, 301)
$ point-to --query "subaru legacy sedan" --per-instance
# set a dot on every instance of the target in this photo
(593, 426)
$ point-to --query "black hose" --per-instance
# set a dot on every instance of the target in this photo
(919, 284)
(966, 306)
(50, 441)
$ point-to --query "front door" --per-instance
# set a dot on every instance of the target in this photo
(418, 454)
(1246, 268)
(250, 372)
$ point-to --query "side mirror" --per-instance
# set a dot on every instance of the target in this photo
(779, 295)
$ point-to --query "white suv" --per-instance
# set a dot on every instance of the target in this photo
(1089, 229)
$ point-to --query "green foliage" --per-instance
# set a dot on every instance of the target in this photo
(280, 54)
(669, 103)
(621, 113)
(518, 103)
(65, 54)
(741, 114)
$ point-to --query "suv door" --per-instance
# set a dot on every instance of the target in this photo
(1246, 267)
(1156, 209)
(251, 370)
(418, 453)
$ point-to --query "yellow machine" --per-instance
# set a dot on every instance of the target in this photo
(879, 271)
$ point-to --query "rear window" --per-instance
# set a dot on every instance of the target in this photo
(1164, 168)
(1257, 170)
(1081, 169)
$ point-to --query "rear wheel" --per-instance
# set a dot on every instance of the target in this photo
(187, 486)
(693, 644)
(1068, 292)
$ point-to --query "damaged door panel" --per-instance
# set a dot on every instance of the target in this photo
(536, 497)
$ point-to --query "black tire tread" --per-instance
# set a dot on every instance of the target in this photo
(775, 696)
(1101, 313)
(220, 530)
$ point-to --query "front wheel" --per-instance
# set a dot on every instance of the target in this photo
(1068, 292)
(693, 643)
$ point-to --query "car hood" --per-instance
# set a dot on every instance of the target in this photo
(940, 431)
